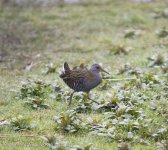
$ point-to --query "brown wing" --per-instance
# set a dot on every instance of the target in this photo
(80, 73)
(75, 78)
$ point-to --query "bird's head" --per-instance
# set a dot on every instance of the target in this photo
(97, 68)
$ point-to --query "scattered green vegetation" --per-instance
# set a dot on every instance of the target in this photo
(68, 122)
(50, 68)
(56, 144)
(126, 119)
(163, 33)
(36, 103)
(35, 93)
(21, 123)
(132, 33)
(35, 89)
(120, 49)
(156, 60)
(129, 70)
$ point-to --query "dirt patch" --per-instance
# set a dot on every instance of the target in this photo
(142, 1)
(39, 2)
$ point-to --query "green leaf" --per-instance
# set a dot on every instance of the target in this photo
(88, 147)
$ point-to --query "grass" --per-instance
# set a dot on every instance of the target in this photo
(84, 32)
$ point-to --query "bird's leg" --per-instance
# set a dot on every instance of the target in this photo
(70, 99)
(92, 99)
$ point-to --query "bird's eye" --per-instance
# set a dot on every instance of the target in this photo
(97, 67)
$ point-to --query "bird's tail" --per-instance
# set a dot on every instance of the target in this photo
(66, 67)
(65, 71)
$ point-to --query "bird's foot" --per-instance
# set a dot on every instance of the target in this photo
(93, 101)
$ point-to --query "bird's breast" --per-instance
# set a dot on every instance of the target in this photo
(92, 83)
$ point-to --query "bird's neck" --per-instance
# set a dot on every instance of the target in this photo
(98, 74)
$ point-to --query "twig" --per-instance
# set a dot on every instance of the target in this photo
(9, 136)
(123, 79)
(2, 120)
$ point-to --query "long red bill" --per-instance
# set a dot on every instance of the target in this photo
(104, 70)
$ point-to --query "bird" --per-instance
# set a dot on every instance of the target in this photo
(82, 79)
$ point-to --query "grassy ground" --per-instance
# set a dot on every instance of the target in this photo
(89, 32)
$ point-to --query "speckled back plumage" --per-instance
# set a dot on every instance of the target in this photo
(80, 78)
